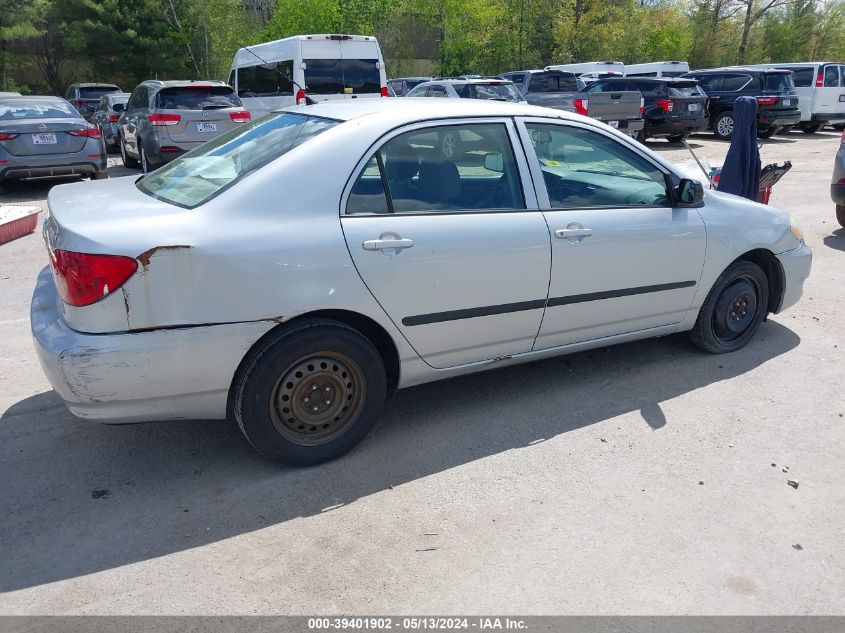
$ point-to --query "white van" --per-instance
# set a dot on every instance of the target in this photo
(657, 69)
(277, 74)
(821, 92)
(598, 68)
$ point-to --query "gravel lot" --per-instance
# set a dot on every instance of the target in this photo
(642, 479)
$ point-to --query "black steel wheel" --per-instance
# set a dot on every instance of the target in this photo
(733, 310)
(309, 392)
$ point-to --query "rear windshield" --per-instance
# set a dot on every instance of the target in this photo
(19, 108)
(97, 93)
(686, 90)
(342, 76)
(779, 82)
(197, 98)
(553, 82)
(217, 164)
(673, 73)
(492, 91)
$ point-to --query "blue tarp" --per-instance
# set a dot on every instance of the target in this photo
(741, 171)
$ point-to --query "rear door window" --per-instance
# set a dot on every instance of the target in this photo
(735, 83)
(342, 76)
(831, 76)
(782, 82)
(494, 92)
(804, 77)
(197, 98)
(266, 80)
(436, 91)
(710, 83)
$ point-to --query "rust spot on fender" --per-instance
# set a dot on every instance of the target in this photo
(145, 257)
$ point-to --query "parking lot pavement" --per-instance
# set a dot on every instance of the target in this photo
(644, 478)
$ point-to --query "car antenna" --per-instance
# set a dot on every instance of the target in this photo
(308, 100)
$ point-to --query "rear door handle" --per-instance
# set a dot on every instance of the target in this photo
(386, 244)
(566, 234)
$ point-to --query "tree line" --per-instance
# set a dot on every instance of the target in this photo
(47, 44)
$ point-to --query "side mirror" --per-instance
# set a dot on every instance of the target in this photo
(494, 162)
(690, 193)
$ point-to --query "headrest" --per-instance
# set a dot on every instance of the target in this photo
(439, 181)
(401, 162)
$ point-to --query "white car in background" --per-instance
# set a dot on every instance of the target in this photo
(821, 93)
(295, 271)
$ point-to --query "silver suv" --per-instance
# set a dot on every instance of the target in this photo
(165, 119)
(85, 97)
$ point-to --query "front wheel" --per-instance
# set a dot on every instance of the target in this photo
(840, 215)
(310, 393)
(733, 310)
(723, 126)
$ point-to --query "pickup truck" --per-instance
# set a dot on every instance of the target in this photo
(559, 89)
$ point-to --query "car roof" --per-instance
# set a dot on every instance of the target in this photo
(656, 80)
(35, 98)
(94, 85)
(409, 78)
(743, 69)
(183, 83)
(406, 110)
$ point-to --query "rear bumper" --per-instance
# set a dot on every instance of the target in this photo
(824, 117)
(777, 119)
(167, 374)
(837, 194)
(681, 126)
(796, 266)
(16, 172)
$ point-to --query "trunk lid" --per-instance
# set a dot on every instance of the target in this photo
(45, 136)
(689, 102)
(203, 110)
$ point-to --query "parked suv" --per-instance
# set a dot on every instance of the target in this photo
(482, 88)
(547, 88)
(107, 115)
(672, 107)
(403, 85)
(164, 119)
(85, 97)
(777, 100)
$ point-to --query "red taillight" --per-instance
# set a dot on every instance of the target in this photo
(114, 118)
(582, 106)
(820, 78)
(169, 148)
(241, 116)
(6, 137)
(767, 101)
(83, 278)
(384, 92)
(163, 119)
(642, 106)
(667, 105)
(300, 97)
(90, 132)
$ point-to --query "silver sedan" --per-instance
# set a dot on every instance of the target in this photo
(294, 272)
(46, 136)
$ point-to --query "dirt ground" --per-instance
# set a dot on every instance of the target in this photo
(642, 479)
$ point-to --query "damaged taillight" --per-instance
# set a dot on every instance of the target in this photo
(85, 278)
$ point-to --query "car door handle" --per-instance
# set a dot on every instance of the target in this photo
(385, 244)
(565, 234)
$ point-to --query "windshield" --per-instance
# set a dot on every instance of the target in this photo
(342, 76)
(97, 93)
(21, 108)
(492, 91)
(197, 98)
(779, 82)
(216, 165)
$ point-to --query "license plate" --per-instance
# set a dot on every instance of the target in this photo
(44, 138)
(206, 127)
(613, 124)
(787, 102)
(693, 107)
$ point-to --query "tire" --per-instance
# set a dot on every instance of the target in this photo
(99, 175)
(733, 310)
(723, 126)
(641, 136)
(769, 132)
(785, 130)
(128, 161)
(320, 356)
(838, 126)
(840, 215)
(109, 147)
(810, 128)
(676, 138)
(451, 146)
(144, 160)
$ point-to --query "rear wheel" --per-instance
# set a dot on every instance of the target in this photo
(733, 310)
(785, 130)
(145, 163)
(810, 128)
(676, 138)
(840, 215)
(128, 161)
(310, 393)
(723, 126)
(99, 175)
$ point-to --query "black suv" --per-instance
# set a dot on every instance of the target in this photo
(777, 101)
(672, 107)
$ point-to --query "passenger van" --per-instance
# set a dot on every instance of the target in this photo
(657, 69)
(821, 92)
(599, 68)
(281, 73)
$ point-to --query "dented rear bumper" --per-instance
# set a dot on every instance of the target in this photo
(166, 374)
